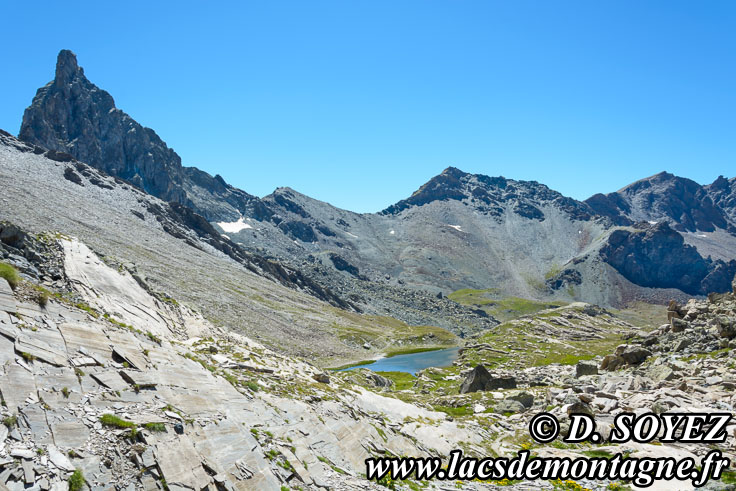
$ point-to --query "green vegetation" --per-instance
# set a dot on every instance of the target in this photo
(10, 421)
(65, 392)
(455, 412)
(10, 274)
(504, 309)
(253, 386)
(76, 481)
(401, 380)
(407, 351)
(27, 356)
(116, 422)
(87, 308)
(158, 427)
(153, 337)
(597, 454)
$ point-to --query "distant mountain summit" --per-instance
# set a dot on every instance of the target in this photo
(70, 114)
(490, 195)
(684, 203)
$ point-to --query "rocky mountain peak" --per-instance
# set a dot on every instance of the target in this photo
(682, 202)
(74, 116)
(67, 67)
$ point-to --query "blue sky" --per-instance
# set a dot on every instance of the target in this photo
(360, 102)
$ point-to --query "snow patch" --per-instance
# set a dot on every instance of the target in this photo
(701, 235)
(234, 227)
(652, 222)
(393, 232)
(352, 235)
(456, 227)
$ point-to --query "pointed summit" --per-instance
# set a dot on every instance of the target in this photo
(67, 67)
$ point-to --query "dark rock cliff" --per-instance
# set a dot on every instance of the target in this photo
(657, 256)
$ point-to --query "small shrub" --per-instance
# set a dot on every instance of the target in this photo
(153, 337)
(10, 421)
(27, 356)
(43, 298)
(10, 274)
(65, 392)
(253, 386)
(76, 481)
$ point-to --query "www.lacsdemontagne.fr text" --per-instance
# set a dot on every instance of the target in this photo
(641, 471)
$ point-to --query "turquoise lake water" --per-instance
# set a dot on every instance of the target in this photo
(413, 362)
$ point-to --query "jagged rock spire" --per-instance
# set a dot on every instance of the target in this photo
(67, 67)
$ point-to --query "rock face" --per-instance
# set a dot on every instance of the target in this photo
(657, 256)
(683, 203)
(72, 115)
(479, 379)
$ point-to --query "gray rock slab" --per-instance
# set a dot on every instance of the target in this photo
(16, 386)
(7, 301)
(59, 459)
(110, 379)
(180, 463)
(68, 430)
(28, 472)
(41, 350)
(35, 417)
(7, 350)
(141, 379)
(89, 337)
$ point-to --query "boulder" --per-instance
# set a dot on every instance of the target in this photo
(321, 377)
(525, 398)
(726, 326)
(584, 368)
(476, 380)
(378, 380)
(509, 406)
(580, 407)
(679, 325)
(479, 379)
(633, 355)
(660, 373)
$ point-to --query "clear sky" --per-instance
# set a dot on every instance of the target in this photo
(360, 102)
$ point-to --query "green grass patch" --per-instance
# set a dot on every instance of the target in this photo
(401, 380)
(455, 412)
(409, 351)
(10, 274)
(156, 427)
(502, 308)
(115, 421)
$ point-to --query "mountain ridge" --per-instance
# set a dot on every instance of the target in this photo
(458, 230)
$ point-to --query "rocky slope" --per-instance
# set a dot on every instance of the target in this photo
(179, 255)
(106, 384)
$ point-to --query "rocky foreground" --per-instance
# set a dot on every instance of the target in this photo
(109, 385)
